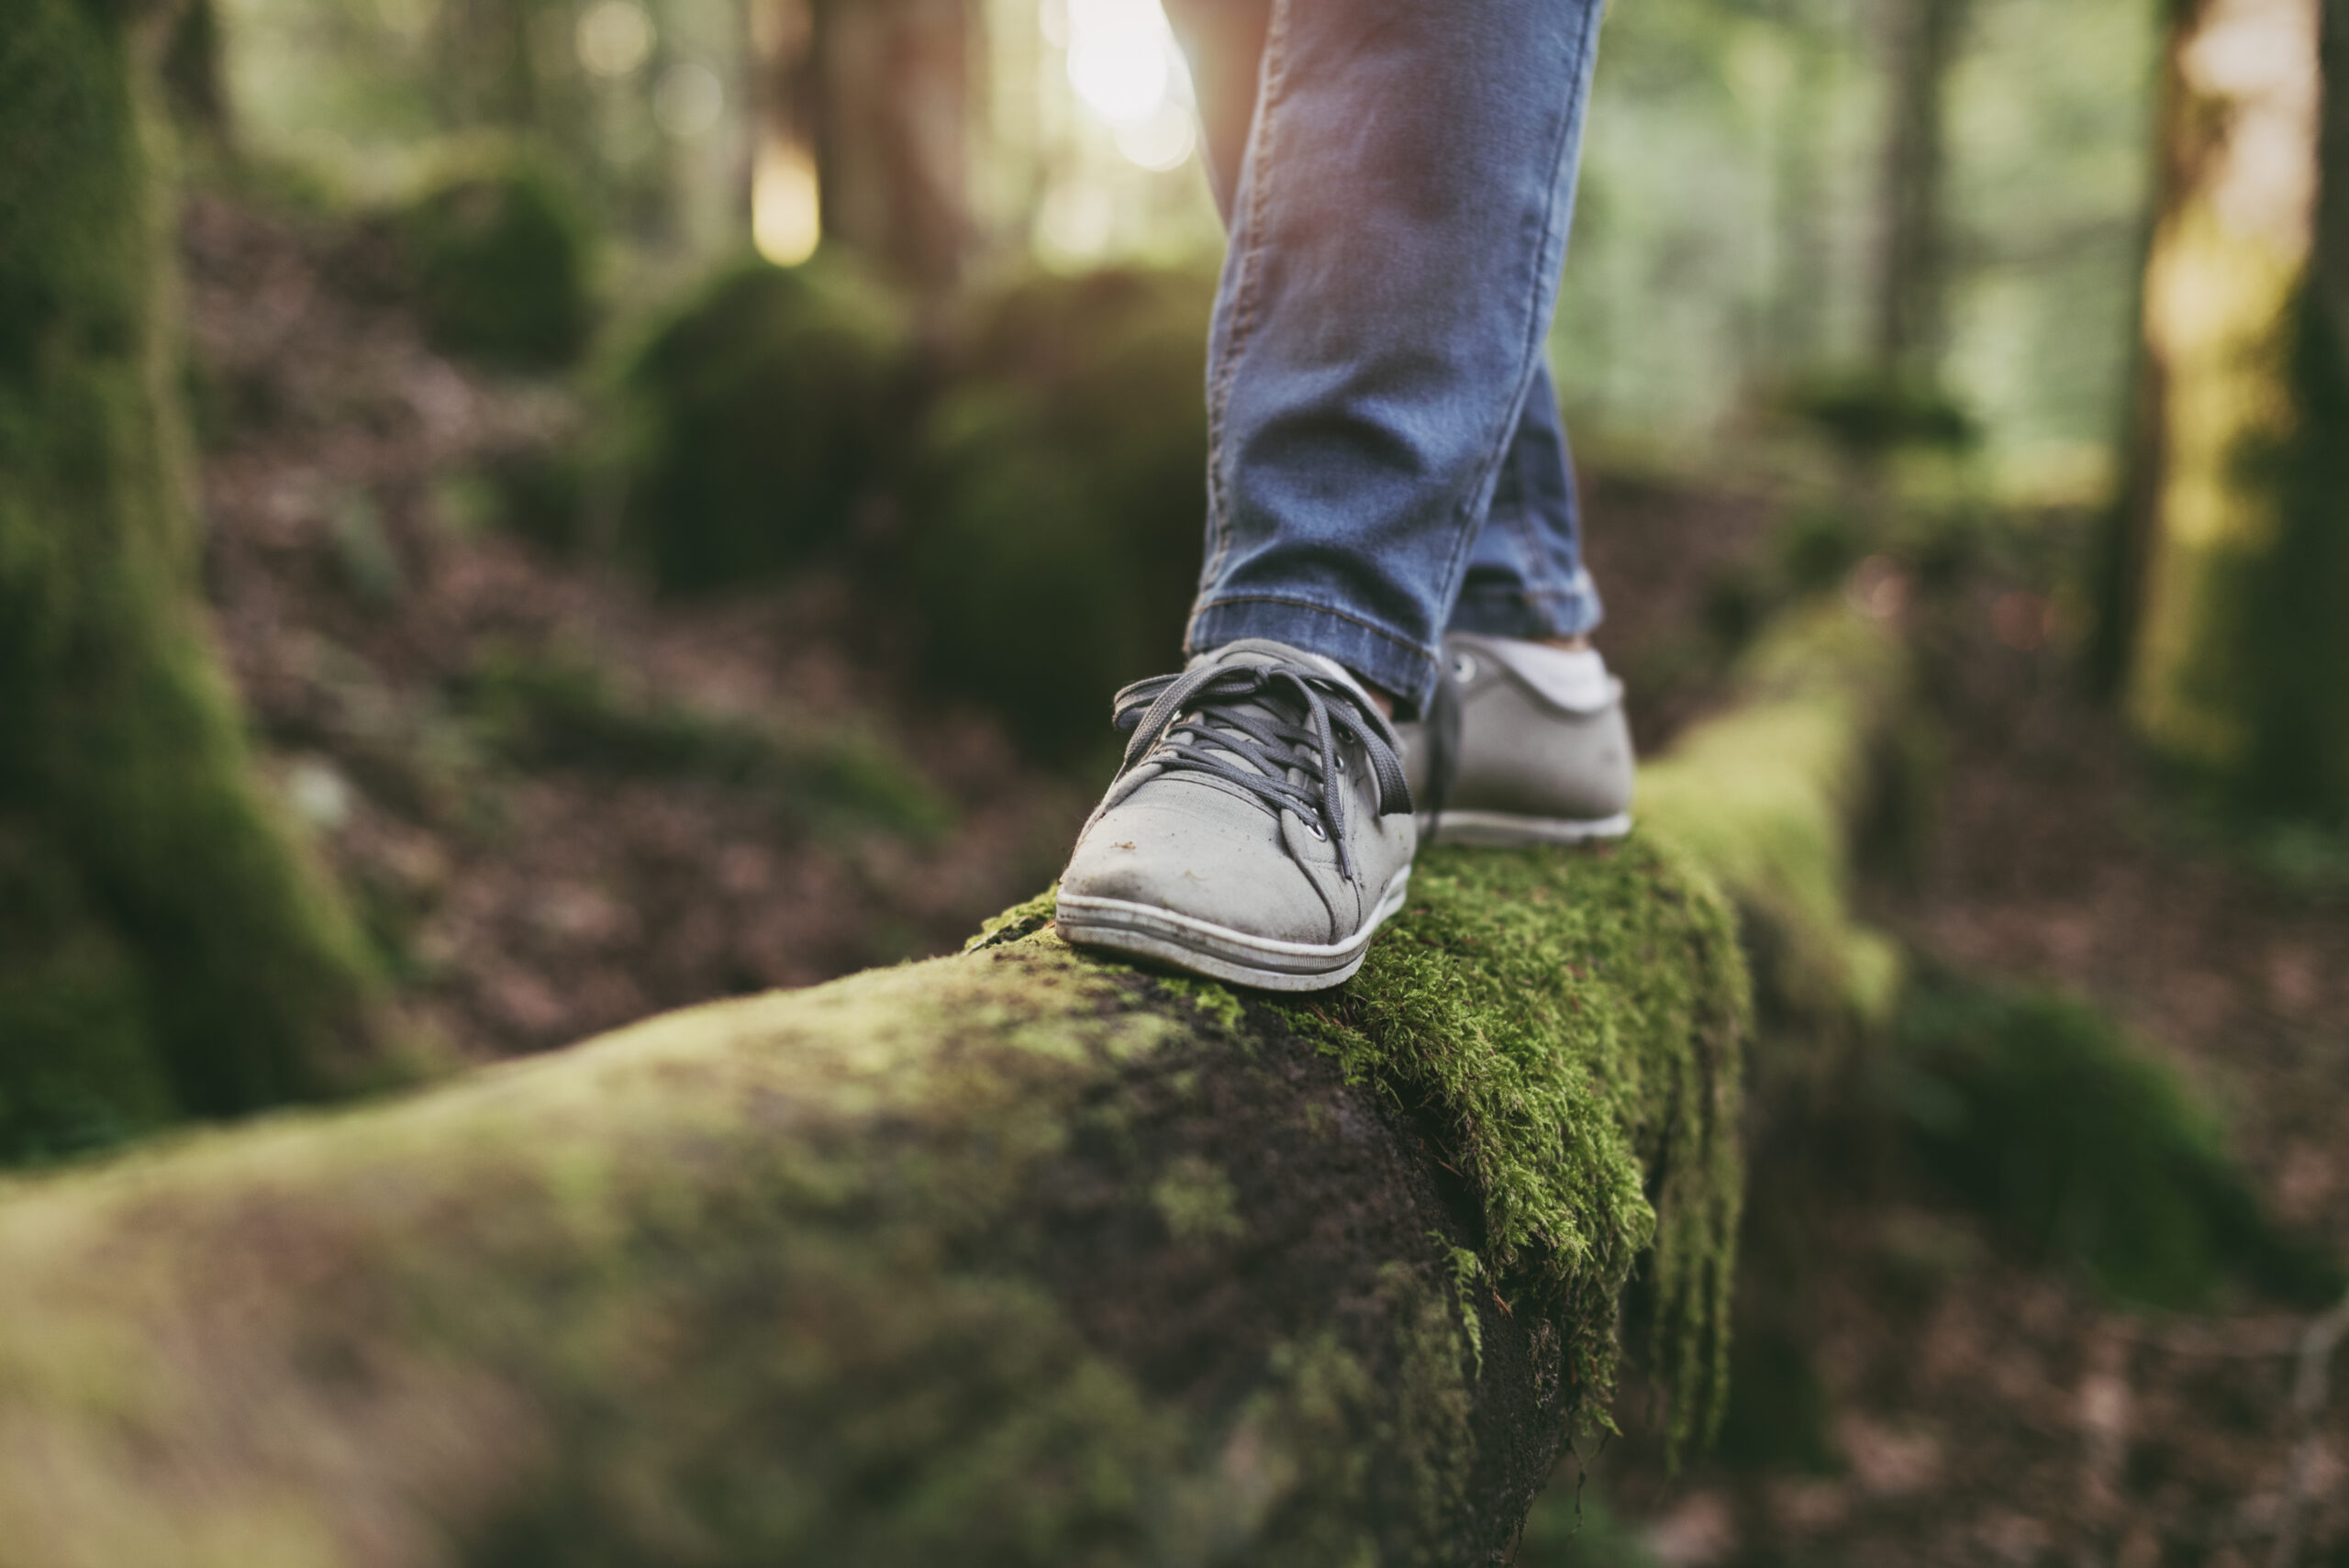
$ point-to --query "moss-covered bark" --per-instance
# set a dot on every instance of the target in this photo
(162, 947)
(2241, 498)
(1013, 1257)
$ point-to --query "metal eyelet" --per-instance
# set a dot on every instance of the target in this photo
(1315, 830)
(1464, 668)
(1342, 762)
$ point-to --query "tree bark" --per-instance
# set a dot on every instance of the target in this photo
(164, 947)
(2239, 652)
(888, 89)
(1912, 275)
(1014, 1257)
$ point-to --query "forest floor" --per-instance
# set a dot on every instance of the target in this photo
(1985, 1411)
(564, 804)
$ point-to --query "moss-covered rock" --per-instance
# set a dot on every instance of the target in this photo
(501, 258)
(2090, 1150)
(1059, 496)
(168, 946)
(759, 415)
(560, 708)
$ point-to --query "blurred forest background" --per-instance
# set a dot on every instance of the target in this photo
(673, 485)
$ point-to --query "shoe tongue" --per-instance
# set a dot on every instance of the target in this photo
(1265, 651)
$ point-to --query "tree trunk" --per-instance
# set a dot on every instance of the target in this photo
(2239, 662)
(488, 72)
(1014, 1257)
(888, 90)
(163, 946)
(194, 77)
(1912, 269)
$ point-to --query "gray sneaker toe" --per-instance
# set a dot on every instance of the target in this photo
(1181, 848)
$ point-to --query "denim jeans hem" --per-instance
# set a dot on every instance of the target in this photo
(1386, 658)
(1513, 612)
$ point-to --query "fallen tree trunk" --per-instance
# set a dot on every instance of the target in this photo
(1011, 1257)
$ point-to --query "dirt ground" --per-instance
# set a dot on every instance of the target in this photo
(527, 906)
(2001, 1416)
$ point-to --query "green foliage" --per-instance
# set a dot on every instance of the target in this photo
(556, 710)
(195, 958)
(1059, 496)
(2092, 1152)
(760, 414)
(501, 259)
(1869, 416)
(1734, 153)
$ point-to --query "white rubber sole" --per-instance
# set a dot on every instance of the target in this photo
(1500, 829)
(1200, 947)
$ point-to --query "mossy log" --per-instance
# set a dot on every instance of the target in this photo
(1012, 1257)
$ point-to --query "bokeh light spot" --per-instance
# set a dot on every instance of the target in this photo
(614, 38)
(787, 215)
(688, 100)
(1162, 141)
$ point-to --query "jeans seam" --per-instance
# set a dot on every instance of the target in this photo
(1455, 568)
(1243, 294)
(1367, 624)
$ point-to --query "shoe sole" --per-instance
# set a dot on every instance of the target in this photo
(1201, 946)
(1500, 829)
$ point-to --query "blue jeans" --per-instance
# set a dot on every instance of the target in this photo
(1386, 457)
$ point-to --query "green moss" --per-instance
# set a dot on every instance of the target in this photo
(77, 1071)
(216, 961)
(2088, 1148)
(1059, 498)
(1197, 1202)
(501, 257)
(1218, 1003)
(1555, 1101)
(1765, 794)
(1025, 919)
(1467, 1273)
(760, 414)
(766, 1281)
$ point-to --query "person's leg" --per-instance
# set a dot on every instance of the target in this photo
(1525, 576)
(1398, 209)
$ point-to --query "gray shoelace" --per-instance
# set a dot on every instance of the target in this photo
(1197, 722)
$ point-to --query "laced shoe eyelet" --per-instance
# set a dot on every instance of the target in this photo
(1317, 831)
(1464, 668)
